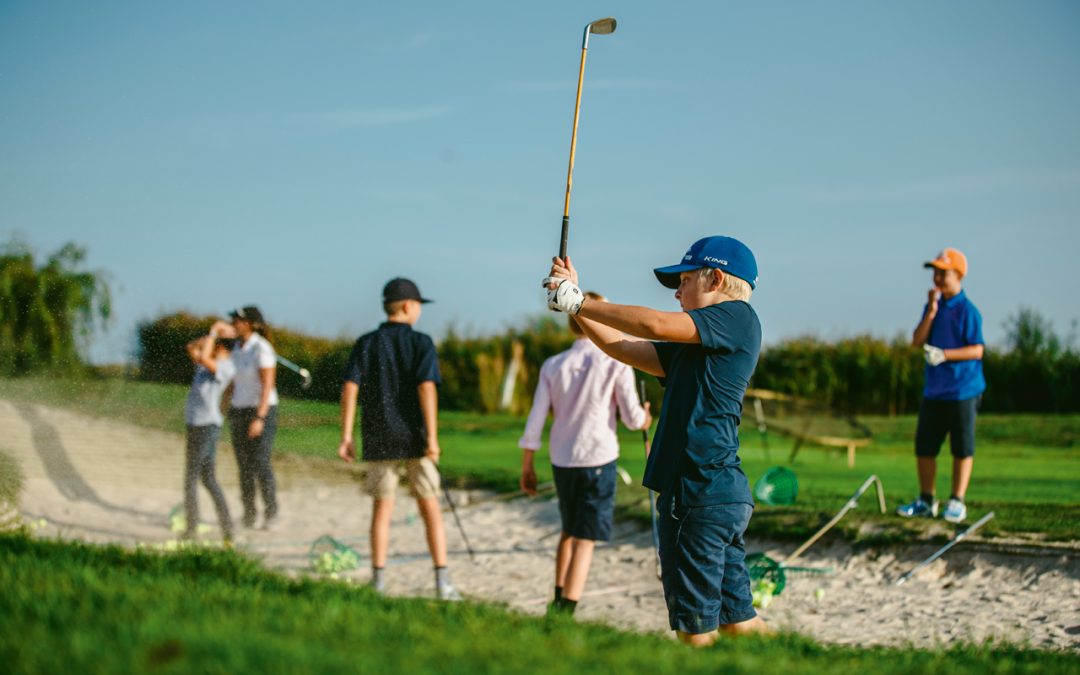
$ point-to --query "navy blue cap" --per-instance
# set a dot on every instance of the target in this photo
(726, 254)
(402, 289)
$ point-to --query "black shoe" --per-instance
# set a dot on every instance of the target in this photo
(249, 521)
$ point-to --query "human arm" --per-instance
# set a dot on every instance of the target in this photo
(634, 414)
(640, 322)
(528, 473)
(347, 447)
(966, 353)
(267, 377)
(429, 410)
(531, 439)
(922, 331)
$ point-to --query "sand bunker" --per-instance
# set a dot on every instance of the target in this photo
(104, 481)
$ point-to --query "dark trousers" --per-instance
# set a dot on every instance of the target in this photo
(199, 465)
(253, 460)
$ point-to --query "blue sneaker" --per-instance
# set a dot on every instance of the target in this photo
(955, 511)
(918, 509)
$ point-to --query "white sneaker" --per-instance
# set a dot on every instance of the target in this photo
(955, 511)
(447, 593)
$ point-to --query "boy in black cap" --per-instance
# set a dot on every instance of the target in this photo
(395, 371)
(705, 356)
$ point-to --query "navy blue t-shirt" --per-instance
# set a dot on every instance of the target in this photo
(389, 364)
(957, 324)
(697, 440)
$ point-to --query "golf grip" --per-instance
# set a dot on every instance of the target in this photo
(565, 234)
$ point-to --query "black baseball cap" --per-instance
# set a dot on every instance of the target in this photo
(250, 313)
(401, 289)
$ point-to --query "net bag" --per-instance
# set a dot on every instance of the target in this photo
(329, 556)
(777, 487)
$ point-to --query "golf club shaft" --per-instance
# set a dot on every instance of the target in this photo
(289, 364)
(851, 503)
(453, 510)
(573, 150)
(941, 551)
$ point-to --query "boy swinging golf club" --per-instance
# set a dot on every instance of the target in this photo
(704, 355)
(584, 388)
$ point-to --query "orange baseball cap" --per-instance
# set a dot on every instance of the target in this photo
(950, 259)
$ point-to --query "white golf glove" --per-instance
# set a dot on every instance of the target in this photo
(566, 297)
(935, 356)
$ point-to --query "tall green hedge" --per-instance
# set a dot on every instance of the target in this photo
(162, 357)
(858, 375)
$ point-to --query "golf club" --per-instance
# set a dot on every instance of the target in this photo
(850, 504)
(453, 510)
(304, 373)
(941, 551)
(599, 27)
(652, 497)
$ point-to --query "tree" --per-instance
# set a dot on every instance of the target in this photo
(47, 312)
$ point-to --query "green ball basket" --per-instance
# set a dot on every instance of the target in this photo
(777, 487)
(330, 555)
(762, 566)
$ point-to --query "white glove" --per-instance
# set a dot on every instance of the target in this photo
(566, 297)
(935, 356)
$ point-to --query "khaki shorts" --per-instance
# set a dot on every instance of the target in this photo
(381, 478)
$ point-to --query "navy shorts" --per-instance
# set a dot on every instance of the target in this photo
(586, 500)
(956, 419)
(703, 564)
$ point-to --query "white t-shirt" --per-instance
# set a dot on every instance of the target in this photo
(203, 406)
(255, 354)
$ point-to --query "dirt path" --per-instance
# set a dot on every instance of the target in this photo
(104, 481)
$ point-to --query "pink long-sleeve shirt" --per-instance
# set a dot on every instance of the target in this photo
(584, 387)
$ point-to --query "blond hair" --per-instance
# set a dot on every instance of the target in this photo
(572, 322)
(732, 286)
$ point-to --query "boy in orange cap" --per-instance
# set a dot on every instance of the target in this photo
(950, 334)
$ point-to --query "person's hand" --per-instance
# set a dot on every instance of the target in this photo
(648, 416)
(565, 297)
(223, 329)
(932, 298)
(256, 428)
(528, 480)
(433, 451)
(347, 451)
(935, 356)
(561, 269)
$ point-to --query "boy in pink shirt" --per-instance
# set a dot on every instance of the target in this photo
(583, 387)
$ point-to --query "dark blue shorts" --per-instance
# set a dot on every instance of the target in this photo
(703, 564)
(956, 419)
(586, 500)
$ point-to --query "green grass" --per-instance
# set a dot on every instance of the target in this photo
(1027, 468)
(75, 608)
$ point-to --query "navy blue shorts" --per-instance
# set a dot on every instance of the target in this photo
(586, 500)
(956, 419)
(703, 564)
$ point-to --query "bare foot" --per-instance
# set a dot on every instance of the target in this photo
(697, 639)
(750, 627)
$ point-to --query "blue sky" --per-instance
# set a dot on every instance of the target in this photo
(297, 155)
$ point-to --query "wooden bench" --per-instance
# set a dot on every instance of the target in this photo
(800, 434)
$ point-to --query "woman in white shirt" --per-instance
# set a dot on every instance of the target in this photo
(253, 415)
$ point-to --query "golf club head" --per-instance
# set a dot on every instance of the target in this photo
(306, 375)
(603, 26)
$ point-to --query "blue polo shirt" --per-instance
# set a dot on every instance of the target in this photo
(695, 451)
(957, 324)
(388, 365)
